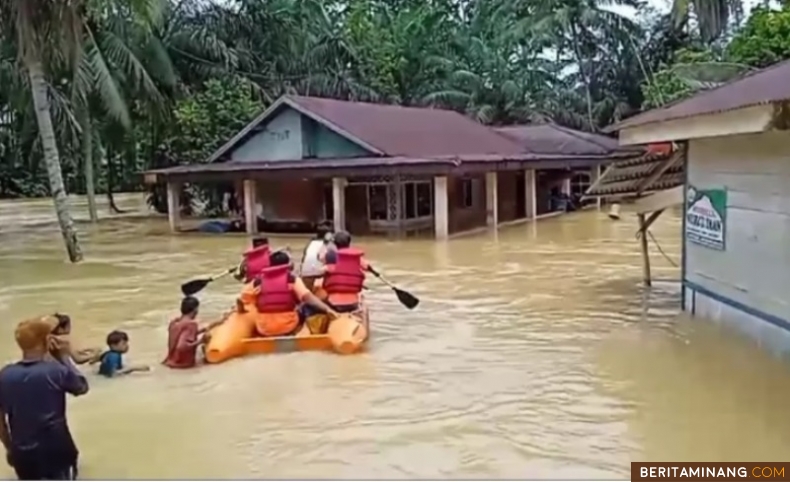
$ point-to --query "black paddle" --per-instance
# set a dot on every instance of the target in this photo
(191, 287)
(407, 299)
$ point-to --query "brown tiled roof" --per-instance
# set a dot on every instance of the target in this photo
(624, 178)
(409, 131)
(554, 139)
(761, 87)
(392, 130)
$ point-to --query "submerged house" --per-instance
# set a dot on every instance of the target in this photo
(375, 168)
(735, 156)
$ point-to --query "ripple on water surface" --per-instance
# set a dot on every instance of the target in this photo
(534, 353)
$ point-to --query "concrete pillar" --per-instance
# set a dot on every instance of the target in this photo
(595, 174)
(492, 198)
(339, 202)
(530, 191)
(250, 202)
(441, 214)
(565, 187)
(174, 205)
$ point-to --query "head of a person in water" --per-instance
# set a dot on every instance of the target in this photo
(323, 228)
(342, 239)
(62, 324)
(118, 341)
(279, 258)
(33, 337)
(190, 307)
(260, 241)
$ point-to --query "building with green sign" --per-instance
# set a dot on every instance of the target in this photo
(736, 199)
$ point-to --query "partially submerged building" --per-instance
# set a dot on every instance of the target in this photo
(736, 199)
(376, 168)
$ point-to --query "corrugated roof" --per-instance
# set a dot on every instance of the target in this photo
(409, 131)
(625, 178)
(555, 139)
(761, 87)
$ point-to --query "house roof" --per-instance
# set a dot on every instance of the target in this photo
(755, 88)
(555, 139)
(658, 169)
(392, 130)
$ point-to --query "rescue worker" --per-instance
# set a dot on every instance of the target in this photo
(275, 296)
(255, 260)
(344, 275)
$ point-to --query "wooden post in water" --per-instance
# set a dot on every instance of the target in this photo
(174, 205)
(645, 254)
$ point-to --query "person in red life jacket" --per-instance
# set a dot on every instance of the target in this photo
(255, 260)
(344, 275)
(184, 336)
(275, 296)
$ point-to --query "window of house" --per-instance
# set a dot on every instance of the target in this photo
(424, 199)
(377, 202)
(467, 193)
(579, 184)
(417, 200)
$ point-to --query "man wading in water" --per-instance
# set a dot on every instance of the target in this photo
(33, 426)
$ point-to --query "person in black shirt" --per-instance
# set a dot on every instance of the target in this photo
(33, 425)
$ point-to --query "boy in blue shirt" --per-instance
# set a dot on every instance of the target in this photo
(112, 360)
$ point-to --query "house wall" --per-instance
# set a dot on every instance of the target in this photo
(292, 200)
(510, 205)
(747, 284)
(280, 139)
(318, 141)
(292, 136)
(462, 218)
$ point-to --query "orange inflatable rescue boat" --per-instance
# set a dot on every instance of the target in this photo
(236, 337)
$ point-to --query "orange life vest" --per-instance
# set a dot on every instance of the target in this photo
(276, 295)
(345, 275)
(255, 261)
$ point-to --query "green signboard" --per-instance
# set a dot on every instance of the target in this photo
(706, 217)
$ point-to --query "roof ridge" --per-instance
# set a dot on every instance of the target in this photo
(576, 134)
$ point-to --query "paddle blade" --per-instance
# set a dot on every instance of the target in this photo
(191, 287)
(407, 299)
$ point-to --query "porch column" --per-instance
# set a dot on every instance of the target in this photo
(595, 174)
(250, 198)
(565, 187)
(441, 215)
(395, 204)
(339, 203)
(492, 198)
(530, 191)
(174, 205)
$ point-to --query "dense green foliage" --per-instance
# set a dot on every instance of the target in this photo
(172, 85)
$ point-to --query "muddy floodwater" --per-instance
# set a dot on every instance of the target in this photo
(534, 353)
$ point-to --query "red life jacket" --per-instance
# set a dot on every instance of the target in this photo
(346, 274)
(276, 295)
(255, 261)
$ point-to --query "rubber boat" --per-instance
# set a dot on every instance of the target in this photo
(235, 337)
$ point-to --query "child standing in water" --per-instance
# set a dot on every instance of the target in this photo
(111, 361)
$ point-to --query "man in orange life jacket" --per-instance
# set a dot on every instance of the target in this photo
(275, 296)
(255, 260)
(344, 275)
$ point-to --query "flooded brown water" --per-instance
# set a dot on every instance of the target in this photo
(534, 353)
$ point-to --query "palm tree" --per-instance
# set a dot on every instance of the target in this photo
(712, 16)
(47, 30)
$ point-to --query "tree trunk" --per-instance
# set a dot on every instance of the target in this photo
(87, 152)
(38, 88)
